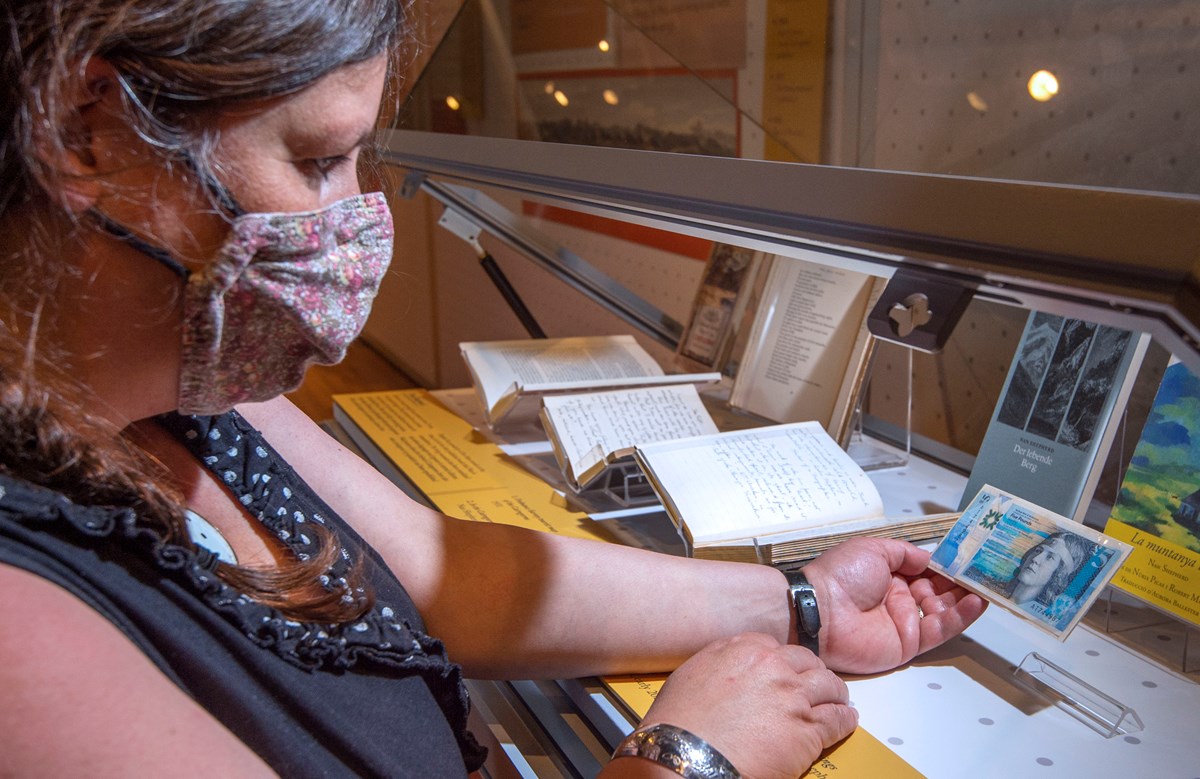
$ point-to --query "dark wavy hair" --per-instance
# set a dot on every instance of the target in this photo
(181, 65)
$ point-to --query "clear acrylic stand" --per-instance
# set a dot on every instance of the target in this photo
(1142, 627)
(870, 456)
(1100, 712)
(626, 484)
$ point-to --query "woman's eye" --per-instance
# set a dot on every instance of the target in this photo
(323, 166)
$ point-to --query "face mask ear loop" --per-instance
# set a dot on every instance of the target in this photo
(153, 252)
(218, 191)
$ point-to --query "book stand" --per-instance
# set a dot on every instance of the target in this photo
(869, 456)
(1157, 635)
(1100, 712)
(625, 484)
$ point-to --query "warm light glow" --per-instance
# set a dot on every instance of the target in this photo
(610, 97)
(452, 101)
(603, 45)
(1043, 85)
(977, 102)
(549, 88)
(561, 98)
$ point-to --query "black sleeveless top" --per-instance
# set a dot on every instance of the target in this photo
(374, 698)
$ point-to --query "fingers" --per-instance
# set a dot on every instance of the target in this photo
(834, 721)
(947, 615)
(902, 557)
(828, 706)
(822, 686)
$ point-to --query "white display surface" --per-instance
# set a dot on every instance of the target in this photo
(957, 711)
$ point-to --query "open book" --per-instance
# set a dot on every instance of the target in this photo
(771, 494)
(591, 432)
(809, 348)
(504, 372)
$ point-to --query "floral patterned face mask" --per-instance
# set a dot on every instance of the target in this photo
(285, 291)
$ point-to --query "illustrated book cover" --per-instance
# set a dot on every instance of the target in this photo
(1058, 413)
(1158, 507)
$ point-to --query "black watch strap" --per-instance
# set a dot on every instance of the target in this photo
(808, 616)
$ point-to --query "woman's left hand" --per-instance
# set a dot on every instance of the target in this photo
(881, 606)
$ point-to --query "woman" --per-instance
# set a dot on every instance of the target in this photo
(184, 232)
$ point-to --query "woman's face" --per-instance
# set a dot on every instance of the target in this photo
(1042, 563)
(294, 153)
(299, 153)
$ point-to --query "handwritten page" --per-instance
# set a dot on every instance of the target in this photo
(589, 427)
(759, 482)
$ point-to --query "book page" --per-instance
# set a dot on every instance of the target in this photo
(804, 337)
(591, 426)
(758, 482)
(498, 365)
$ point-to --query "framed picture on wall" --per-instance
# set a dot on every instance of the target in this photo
(670, 110)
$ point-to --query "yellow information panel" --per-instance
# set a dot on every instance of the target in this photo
(465, 475)
(461, 472)
(794, 79)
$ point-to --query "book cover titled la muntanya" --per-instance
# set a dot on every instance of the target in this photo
(1054, 424)
(1158, 507)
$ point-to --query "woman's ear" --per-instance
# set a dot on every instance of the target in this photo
(80, 156)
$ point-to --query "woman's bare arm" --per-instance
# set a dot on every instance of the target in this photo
(81, 700)
(511, 603)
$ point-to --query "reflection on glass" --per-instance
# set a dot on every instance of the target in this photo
(937, 86)
(1043, 85)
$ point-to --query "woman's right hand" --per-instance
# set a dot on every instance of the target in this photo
(769, 708)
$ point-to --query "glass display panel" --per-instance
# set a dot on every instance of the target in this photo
(1092, 92)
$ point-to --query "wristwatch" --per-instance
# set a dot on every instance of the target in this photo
(808, 617)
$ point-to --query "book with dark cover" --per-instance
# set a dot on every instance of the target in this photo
(1056, 418)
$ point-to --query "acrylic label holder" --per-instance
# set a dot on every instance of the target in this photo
(1100, 712)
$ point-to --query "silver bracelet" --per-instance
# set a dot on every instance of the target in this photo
(687, 755)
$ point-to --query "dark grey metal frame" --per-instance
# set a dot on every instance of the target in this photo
(1130, 259)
